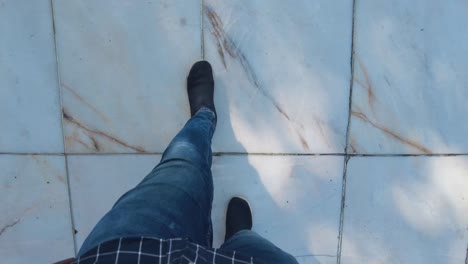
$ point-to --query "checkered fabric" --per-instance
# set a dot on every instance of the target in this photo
(153, 250)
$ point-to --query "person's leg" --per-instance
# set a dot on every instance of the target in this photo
(249, 243)
(240, 238)
(175, 199)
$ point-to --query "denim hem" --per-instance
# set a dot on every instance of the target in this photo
(206, 109)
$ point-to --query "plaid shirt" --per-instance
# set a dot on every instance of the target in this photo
(153, 250)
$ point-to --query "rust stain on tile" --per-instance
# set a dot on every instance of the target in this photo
(281, 111)
(95, 144)
(8, 226)
(319, 124)
(367, 85)
(353, 148)
(217, 32)
(85, 102)
(74, 137)
(226, 44)
(392, 134)
(304, 143)
(227, 47)
(92, 132)
(47, 167)
(353, 145)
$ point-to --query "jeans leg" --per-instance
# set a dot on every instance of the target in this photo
(175, 199)
(249, 243)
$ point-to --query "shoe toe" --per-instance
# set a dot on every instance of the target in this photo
(200, 68)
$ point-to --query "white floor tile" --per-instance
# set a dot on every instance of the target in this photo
(298, 194)
(35, 224)
(316, 260)
(295, 200)
(29, 96)
(282, 73)
(406, 210)
(410, 90)
(98, 181)
(122, 69)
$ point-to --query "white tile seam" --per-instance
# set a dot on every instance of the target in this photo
(466, 257)
(347, 156)
(342, 208)
(315, 255)
(235, 154)
(67, 175)
(202, 30)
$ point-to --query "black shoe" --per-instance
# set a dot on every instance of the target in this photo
(238, 217)
(200, 87)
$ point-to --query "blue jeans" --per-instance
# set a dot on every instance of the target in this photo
(175, 199)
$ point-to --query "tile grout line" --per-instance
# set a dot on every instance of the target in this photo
(342, 208)
(466, 258)
(202, 33)
(347, 156)
(315, 255)
(70, 206)
(237, 154)
(72, 222)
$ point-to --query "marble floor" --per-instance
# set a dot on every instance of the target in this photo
(344, 122)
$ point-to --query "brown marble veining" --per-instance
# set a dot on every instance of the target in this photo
(93, 133)
(226, 45)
